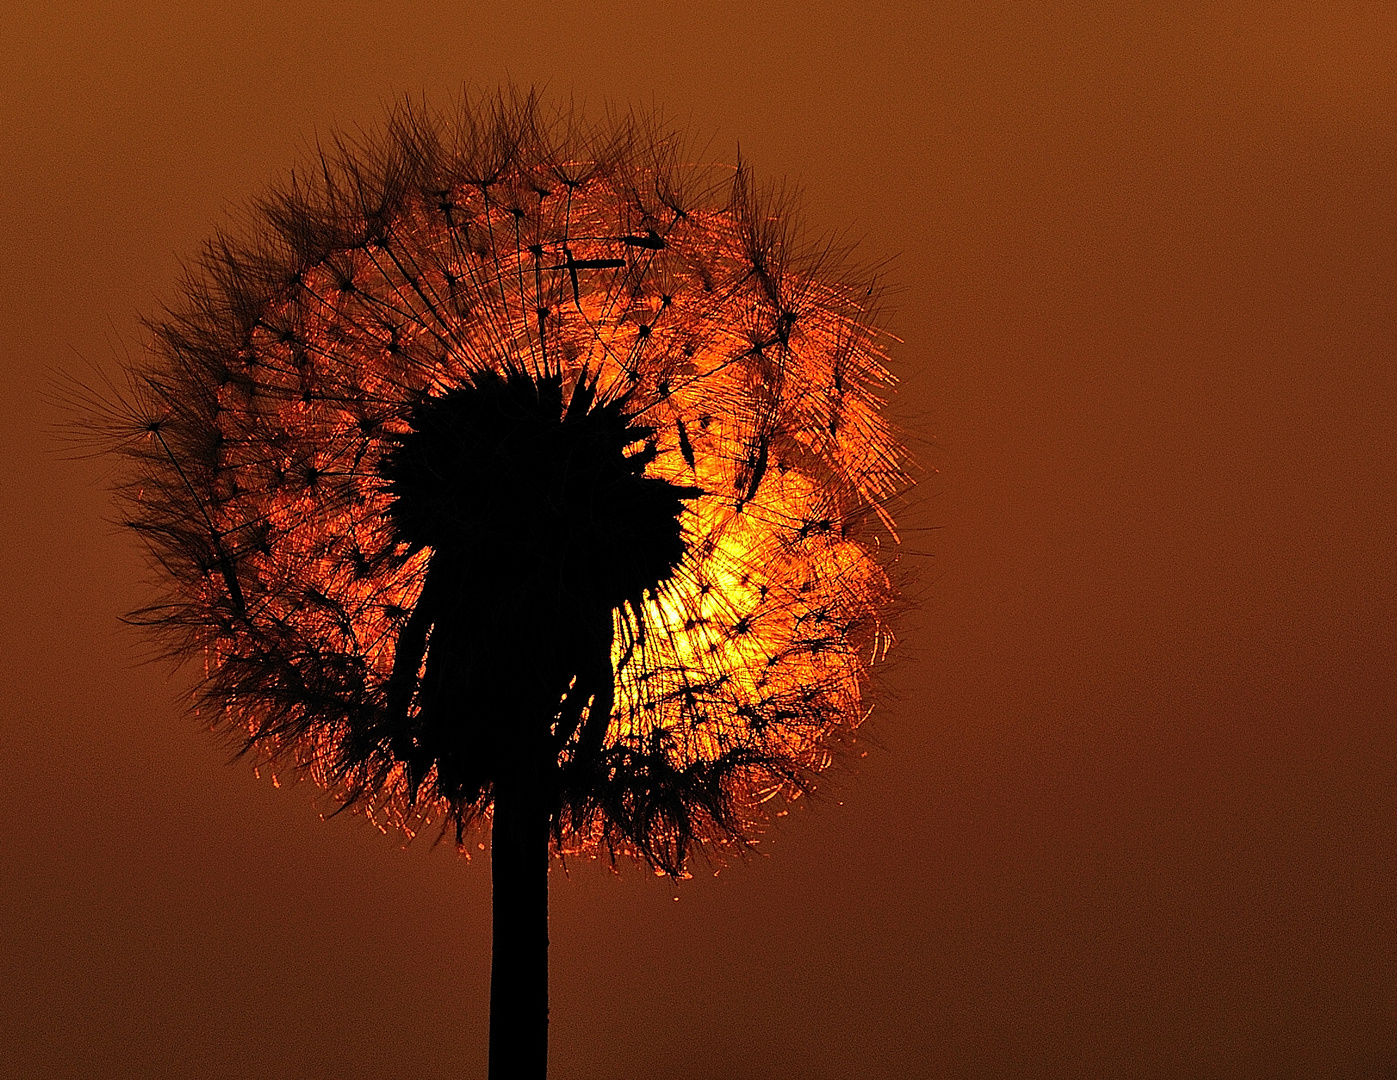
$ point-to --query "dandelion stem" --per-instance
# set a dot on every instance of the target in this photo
(519, 962)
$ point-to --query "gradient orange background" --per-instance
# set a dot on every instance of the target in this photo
(1131, 803)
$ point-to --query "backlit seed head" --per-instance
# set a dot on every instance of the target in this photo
(499, 437)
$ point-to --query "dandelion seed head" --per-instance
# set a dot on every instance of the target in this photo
(499, 415)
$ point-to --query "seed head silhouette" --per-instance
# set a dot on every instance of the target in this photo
(505, 469)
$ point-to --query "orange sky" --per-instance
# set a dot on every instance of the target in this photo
(1130, 800)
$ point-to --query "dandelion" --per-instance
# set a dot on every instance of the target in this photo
(506, 471)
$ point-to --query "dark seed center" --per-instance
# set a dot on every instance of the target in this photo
(540, 522)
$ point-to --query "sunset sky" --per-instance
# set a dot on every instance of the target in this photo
(1129, 800)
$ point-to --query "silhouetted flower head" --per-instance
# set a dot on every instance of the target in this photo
(502, 437)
